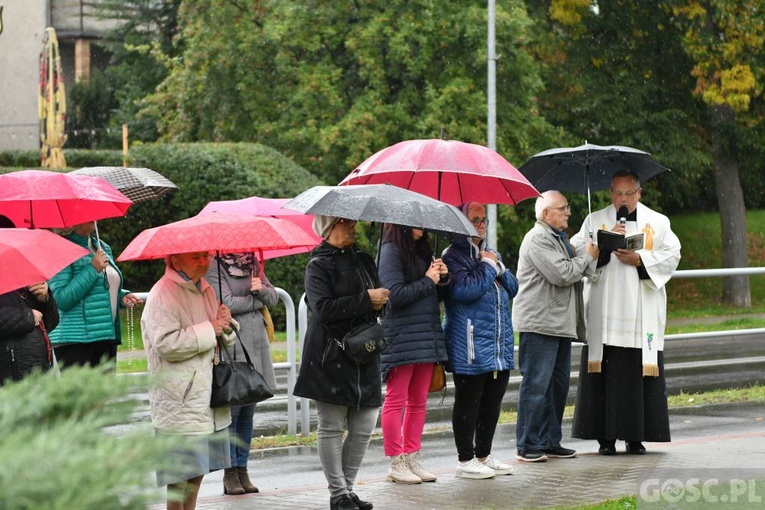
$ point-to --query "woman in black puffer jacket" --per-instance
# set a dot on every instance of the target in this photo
(342, 291)
(416, 343)
(23, 344)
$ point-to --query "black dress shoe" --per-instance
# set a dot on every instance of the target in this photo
(635, 447)
(607, 448)
(343, 502)
(363, 505)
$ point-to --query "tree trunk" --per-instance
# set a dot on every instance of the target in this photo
(730, 198)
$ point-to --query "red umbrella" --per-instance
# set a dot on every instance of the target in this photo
(267, 207)
(447, 170)
(221, 232)
(45, 199)
(33, 256)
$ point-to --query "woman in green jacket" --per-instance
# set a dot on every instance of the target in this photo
(89, 294)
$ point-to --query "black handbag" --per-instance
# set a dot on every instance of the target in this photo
(237, 383)
(363, 342)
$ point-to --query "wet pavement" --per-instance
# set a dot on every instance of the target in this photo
(720, 439)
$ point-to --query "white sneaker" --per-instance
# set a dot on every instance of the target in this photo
(499, 468)
(413, 463)
(474, 470)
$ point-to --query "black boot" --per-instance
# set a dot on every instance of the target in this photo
(342, 502)
(363, 505)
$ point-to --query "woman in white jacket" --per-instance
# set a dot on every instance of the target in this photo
(180, 325)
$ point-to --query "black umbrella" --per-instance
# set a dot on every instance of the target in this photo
(383, 203)
(587, 168)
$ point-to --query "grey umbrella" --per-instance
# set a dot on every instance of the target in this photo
(138, 184)
(587, 167)
(383, 203)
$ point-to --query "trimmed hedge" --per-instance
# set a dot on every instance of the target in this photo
(75, 158)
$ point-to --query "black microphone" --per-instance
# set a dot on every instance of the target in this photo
(623, 213)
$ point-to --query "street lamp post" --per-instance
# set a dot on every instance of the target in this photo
(491, 121)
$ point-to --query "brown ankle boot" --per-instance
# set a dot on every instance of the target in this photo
(244, 479)
(231, 483)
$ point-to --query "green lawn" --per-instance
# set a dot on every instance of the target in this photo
(700, 238)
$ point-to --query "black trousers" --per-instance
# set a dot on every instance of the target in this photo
(477, 404)
(87, 353)
(619, 403)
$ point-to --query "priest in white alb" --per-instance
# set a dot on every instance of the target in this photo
(622, 390)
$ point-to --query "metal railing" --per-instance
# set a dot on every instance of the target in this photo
(295, 338)
(714, 273)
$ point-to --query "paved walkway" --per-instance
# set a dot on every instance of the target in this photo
(722, 440)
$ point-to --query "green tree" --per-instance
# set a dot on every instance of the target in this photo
(621, 72)
(145, 35)
(724, 39)
(73, 442)
(330, 83)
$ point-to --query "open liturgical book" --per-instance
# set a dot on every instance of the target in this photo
(610, 241)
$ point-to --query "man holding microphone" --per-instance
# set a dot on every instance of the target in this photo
(622, 390)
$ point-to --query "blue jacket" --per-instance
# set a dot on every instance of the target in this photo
(83, 301)
(412, 320)
(478, 324)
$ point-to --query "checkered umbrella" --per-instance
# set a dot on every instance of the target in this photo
(138, 184)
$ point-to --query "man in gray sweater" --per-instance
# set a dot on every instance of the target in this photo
(549, 313)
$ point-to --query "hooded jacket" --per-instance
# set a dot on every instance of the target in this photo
(336, 284)
(477, 324)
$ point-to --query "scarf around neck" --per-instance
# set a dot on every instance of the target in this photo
(238, 265)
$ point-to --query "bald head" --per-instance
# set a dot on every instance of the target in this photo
(548, 199)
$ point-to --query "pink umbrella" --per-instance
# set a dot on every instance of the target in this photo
(33, 256)
(221, 232)
(45, 199)
(447, 170)
(267, 207)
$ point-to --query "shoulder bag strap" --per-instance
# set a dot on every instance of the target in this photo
(223, 348)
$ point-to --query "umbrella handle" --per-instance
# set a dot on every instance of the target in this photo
(220, 282)
(98, 239)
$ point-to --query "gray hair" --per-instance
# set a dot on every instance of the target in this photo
(543, 202)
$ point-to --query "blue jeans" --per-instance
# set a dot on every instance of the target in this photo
(545, 363)
(240, 433)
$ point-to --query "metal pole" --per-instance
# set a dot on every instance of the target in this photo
(491, 117)
(291, 360)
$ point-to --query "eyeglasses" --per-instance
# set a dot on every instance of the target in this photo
(566, 207)
(626, 193)
(478, 221)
